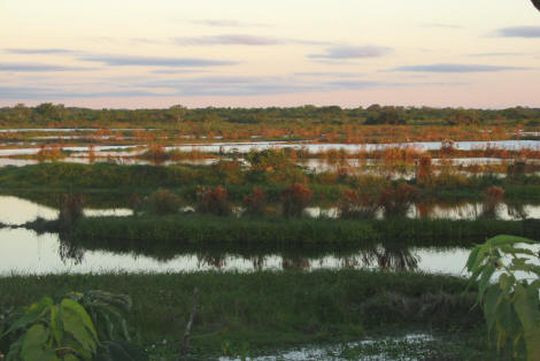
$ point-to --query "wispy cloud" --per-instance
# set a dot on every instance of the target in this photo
(328, 74)
(456, 68)
(125, 60)
(33, 93)
(352, 52)
(243, 39)
(40, 51)
(225, 23)
(36, 68)
(500, 54)
(519, 32)
(441, 26)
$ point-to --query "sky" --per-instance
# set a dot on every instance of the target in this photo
(141, 53)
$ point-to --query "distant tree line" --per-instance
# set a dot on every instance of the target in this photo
(49, 113)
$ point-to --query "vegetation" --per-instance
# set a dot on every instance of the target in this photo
(208, 230)
(48, 114)
(267, 310)
(508, 286)
(80, 327)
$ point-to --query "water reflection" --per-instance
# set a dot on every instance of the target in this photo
(25, 252)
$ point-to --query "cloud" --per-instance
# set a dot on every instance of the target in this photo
(224, 23)
(352, 52)
(500, 54)
(42, 51)
(243, 39)
(196, 86)
(33, 93)
(519, 32)
(441, 26)
(125, 60)
(455, 68)
(327, 74)
(37, 68)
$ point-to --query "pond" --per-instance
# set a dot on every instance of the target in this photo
(23, 251)
(244, 147)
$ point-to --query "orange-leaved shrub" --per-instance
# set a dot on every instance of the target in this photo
(213, 201)
(295, 199)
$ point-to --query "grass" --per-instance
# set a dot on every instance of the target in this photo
(177, 231)
(268, 310)
(184, 180)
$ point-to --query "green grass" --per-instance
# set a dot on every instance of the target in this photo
(177, 231)
(184, 179)
(269, 310)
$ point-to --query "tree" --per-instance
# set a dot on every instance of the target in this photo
(178, 112)
(385, 115)
(49, 112)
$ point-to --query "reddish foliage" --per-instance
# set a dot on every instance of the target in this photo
(397, 200)
(213, 201)
(295, 199)
(255, 203)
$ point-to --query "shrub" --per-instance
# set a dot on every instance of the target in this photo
(424, 170)
(50, 152)
(213, 201)
(163, 202)
(71, 210)
(255, 203)
(510, 301)
(295, 199)
(396, 200)
(493, 198)
(356, 204)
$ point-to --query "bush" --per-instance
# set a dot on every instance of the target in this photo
(356, 204)
(493, 198)
(255, 203)
(71, 210)
(295, 199)
(213, 201)
(396, 200)
(163, 202)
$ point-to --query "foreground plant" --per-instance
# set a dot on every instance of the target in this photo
(80, 327)
(508, 282)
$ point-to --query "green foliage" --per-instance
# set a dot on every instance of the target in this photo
(163, 202)
(267, 308)
(52, 332)
(81, 327)
(508, 290)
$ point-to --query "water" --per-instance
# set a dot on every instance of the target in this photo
(23, 251)
(244, 147)
(413, 347)
(460, 211)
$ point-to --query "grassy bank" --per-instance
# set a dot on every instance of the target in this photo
(267, 310)
(175, 231)
(128, 180)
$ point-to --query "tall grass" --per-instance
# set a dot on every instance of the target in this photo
(268, 309)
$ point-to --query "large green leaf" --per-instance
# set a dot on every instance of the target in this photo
(35, 345)
(78, 324)
(32, 314)
(526, 305)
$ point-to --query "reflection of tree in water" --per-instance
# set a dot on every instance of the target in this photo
(398, 259)
(69, 251)
(389, 258)
(212, 260)
(258, 262)
(295, 263)
(517, 210)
